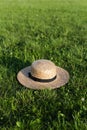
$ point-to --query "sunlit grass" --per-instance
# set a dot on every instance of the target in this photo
(54, 30)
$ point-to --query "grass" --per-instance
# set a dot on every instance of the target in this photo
(54, 30)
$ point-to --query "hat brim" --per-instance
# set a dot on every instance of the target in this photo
(61, 79)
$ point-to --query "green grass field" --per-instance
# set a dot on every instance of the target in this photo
(51, 29)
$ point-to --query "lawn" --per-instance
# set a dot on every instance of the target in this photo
(51, 29)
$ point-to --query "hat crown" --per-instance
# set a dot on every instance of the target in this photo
(43, 69)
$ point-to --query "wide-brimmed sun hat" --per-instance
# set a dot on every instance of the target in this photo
(43, 74)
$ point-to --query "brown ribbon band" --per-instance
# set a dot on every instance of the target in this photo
(42, 80)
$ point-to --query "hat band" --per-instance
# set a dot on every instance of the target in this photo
(42, 80)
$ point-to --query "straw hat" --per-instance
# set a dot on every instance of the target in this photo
(43, 74)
